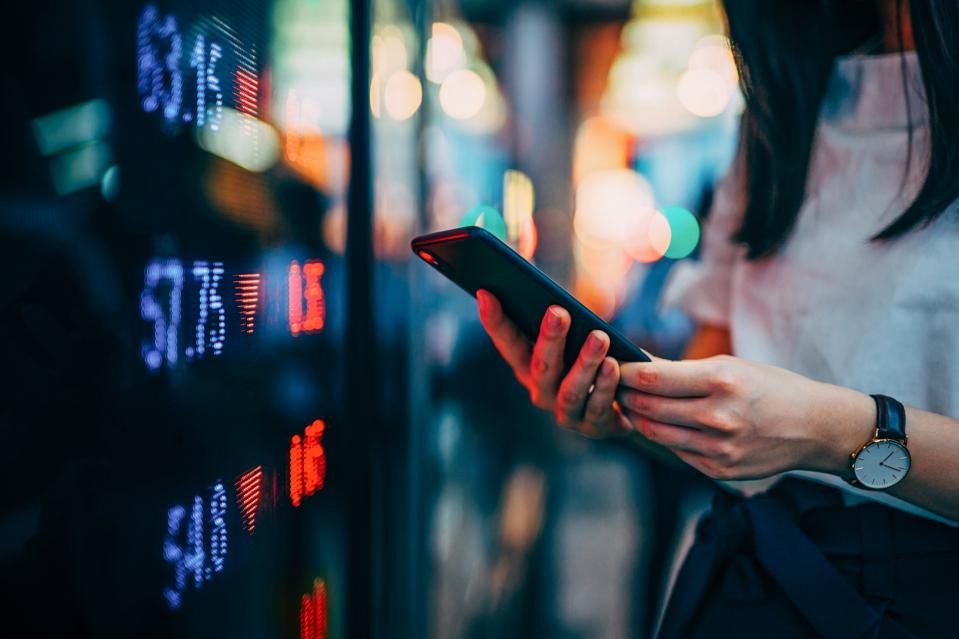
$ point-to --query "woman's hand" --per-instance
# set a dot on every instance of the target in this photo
(539, 369)
(734, 419)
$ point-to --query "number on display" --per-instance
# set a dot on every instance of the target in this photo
(161, 69)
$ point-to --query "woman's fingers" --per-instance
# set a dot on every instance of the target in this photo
(546, 364)
(688, 378)
(689, 412)
(574, 389)
(600, 414)
(508, 339)
(678, 438)
(586, 397)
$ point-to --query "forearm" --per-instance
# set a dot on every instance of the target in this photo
(848, 418)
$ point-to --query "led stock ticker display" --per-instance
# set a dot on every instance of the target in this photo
(189, 310)
(194, 72)
(196, 556)
(186, 74)
(197, 539)
(313, 612)
(175, 294)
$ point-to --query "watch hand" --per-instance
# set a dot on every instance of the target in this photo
(883, 462)
(896, 468)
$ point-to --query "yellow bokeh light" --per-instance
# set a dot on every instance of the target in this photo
(402, 95)
(518, 198)
(703, 92)
(389, 50)
(376, 88)
(462, 94)
(518, 201)
(242, 139)
(444, 52)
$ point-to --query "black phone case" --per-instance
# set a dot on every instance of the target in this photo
(475, 259)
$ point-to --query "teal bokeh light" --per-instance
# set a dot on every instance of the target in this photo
(684, 232)
(486, 217)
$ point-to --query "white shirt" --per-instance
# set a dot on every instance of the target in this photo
(831, 305)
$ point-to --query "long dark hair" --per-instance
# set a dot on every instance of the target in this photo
(785, 51)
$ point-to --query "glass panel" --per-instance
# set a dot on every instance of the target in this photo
(173, 450)
(178, 458)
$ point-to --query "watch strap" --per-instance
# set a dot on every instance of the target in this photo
(890, 418)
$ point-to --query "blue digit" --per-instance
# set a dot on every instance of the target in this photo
(159, 81)
(166, 322)
(173, 553)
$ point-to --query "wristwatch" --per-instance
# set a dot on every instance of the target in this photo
(883, 461)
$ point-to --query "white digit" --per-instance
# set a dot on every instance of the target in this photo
(198, 62)
(209, 301)
(213, 83)
(194, 560)
(173, 553)
(217, 528)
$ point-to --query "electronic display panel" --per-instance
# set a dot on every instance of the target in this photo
(175, 321)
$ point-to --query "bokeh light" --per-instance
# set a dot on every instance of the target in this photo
(243, 140)
(652, 240)
(601, 144)
(684, 232)
(612, 206)
(110, 183)
(389, 49)
(714, 53)
(376, 95)
(486, 217)
(518, 197)
(518, 200)
(703, 92)
(462, 94)
(402, 95)
(444, 52)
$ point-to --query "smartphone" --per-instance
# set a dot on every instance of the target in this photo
(474, 259)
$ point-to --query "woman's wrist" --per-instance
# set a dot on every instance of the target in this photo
(844, 419)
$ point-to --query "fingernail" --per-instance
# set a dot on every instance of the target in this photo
(594, 343)
(554, 318)
(607, 368)
(482, 298)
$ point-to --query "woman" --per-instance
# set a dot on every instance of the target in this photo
(829, 271)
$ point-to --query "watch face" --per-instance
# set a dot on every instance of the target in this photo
(882, 464)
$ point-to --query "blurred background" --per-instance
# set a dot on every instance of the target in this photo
(235, 405)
